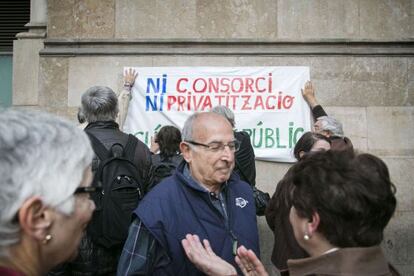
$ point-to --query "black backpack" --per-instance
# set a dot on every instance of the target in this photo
(162, 169)
(121, 192)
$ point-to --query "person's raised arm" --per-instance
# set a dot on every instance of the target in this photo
(308, 94)
(124, 96)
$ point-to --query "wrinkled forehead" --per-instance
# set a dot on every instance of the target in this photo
(321, 145)
(212, 127)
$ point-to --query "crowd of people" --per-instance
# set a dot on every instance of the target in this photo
(93, 200)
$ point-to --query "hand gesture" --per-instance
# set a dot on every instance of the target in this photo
(204, 258)
(249, 264)
(309, 94)
(129, 77)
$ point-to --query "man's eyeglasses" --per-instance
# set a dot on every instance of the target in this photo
(80, 190)
(218, 146)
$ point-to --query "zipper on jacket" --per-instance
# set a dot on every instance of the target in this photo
(234, 239)
(235, 243)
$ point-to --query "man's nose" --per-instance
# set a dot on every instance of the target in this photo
(227, 153)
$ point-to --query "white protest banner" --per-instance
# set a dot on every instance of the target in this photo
(267, 102)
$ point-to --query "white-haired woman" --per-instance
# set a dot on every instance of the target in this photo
(44, 191)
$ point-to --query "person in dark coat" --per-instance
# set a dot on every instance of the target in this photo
(166, 155)
(277, 212)
(165, 146)
(100, 109)
(245, 165)
(203, 196)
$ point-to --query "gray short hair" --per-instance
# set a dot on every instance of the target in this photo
(331, 125)
(40, 155)
(187, 133)
(99, 103)
(226, 112)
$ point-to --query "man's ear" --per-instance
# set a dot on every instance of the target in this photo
(35, 218)
(185, 151)
(313, 224)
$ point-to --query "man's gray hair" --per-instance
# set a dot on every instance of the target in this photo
(226, 112)
(40, 155)
(187, 133)
(331, 125)
(99, 103)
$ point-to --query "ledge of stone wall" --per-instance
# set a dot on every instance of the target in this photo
(110, 47)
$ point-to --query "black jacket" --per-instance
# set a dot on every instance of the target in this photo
(245, 159)
(108, 133)
(277, 216)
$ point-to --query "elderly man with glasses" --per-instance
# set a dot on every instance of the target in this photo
(202, 197)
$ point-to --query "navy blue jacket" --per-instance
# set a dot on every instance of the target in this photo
(179, 206)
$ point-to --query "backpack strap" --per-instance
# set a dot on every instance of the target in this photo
(129, 150)
(98, 147)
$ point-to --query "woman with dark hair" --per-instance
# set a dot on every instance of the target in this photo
(341, 204)
(310, 142)
(277, 212)
(167, 142)
(165, 147)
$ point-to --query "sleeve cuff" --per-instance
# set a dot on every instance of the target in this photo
(318, 111)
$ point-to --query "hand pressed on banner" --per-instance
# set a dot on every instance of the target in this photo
(308, 94)
(129, 77)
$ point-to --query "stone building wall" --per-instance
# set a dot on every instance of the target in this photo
(360, 54)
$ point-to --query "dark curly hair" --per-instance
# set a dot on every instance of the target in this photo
(352, 194)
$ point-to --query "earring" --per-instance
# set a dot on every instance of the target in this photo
(47, 239)
(306, 237)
